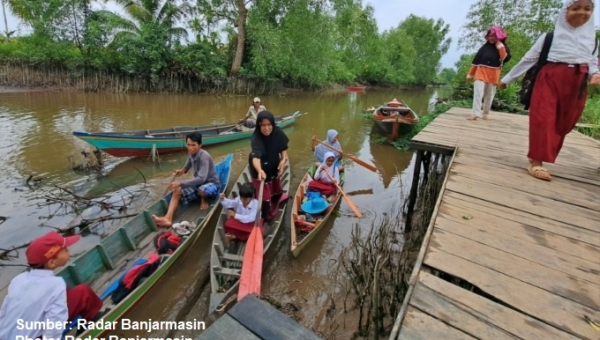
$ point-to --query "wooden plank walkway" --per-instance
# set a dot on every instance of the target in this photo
(253, 319)
(532, 247)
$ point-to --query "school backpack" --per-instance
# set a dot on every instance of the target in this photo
(508, 54)
(530, 77)
(134, 277)
(166, 242)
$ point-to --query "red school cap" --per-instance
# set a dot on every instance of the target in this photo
(45, 248)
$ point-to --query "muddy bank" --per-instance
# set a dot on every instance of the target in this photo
(16, 89)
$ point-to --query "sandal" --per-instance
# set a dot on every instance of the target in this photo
(539, 173)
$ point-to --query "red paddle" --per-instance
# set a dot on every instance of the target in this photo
(250, 279)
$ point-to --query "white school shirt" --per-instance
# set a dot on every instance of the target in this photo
(244, 215)
(323, 177)
(35, 295)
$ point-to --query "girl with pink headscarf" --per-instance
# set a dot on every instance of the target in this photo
(485, 71)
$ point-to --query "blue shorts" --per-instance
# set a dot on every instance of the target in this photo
(190, 194)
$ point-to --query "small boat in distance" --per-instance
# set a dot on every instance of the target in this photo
(161, 141)
(395, 118)
(356, 88)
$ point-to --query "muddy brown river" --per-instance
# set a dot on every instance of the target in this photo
(37, 145)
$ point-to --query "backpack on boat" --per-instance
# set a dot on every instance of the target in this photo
(166, 242)
(530, 77)
(134, 276)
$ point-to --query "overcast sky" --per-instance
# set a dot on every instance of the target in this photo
(389, 13)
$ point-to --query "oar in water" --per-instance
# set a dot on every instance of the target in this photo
(361, 162)
(348, 200)
(250, 278)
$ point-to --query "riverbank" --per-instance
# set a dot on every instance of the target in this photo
(15, 89)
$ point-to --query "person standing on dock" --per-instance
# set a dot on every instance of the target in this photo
(485, 71)
(253, 111)
(560, 90)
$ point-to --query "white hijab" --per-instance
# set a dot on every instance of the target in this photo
(572, 45)
(333, 170)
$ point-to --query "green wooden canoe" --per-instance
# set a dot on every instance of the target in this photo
(102, 266)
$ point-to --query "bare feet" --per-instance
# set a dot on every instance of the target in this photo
(161, 221)
(203, 205)
(486, 118)
(472, 118)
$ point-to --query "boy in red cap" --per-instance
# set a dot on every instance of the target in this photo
(38, 295)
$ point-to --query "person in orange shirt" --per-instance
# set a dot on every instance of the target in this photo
(485, 71)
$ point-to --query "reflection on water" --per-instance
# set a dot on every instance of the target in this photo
(36, 140)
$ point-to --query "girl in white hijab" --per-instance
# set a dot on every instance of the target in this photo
(322, 182)
(560, 90)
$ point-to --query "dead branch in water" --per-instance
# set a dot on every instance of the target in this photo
(371, 263)
(94, 163)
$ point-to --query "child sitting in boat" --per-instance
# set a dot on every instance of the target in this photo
(37, 295)
(332, 140)
(241, 213)
(321, 181)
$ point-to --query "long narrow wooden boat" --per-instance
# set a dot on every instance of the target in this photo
(226, 258)
(103, 266)
(356, 88)
(395, 118)
(303, 228)
(161, 141)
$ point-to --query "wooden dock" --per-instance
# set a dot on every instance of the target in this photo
(529, 248)
(253, 319)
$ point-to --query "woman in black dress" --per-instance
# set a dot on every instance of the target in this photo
(267, 161)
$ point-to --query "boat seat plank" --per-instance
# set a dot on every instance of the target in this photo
(260, 318)
(231, 257)
(117, 245)
(227, 271)
(90, 265)
(227, 328)
(108, 263)
(127, 240)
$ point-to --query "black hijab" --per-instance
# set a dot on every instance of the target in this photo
(267, 148)
(488, 55)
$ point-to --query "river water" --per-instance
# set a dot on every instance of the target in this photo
(37, 144)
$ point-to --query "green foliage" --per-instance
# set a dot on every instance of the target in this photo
(432, 45)
(591, 115)
(400, 54)
(447, 75)
(304, 43)
(528, 17)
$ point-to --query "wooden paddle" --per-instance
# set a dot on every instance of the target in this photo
(169, 185)
(348, 200)
(361, 162)
(250, 279)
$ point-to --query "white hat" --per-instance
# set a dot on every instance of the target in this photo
(256, 99)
